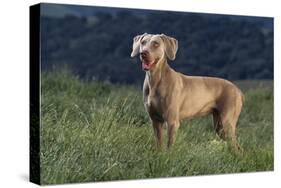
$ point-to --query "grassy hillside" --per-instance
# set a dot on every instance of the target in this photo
(94, 131)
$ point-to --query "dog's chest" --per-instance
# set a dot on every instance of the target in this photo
(154, 103)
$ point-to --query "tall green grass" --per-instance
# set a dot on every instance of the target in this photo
(94, 131)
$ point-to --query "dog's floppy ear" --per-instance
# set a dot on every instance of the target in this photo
(136, 44)
(171, 46)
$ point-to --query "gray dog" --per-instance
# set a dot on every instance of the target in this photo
(170, 96)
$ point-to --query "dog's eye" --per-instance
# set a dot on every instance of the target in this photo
(143, 42)
(155, 44)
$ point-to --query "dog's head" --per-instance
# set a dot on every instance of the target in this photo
(153, 48)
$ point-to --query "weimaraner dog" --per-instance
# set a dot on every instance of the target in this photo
(170, 96)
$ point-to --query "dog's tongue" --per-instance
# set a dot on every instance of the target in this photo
(146, 65)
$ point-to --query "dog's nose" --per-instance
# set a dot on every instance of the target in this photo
(144, 53)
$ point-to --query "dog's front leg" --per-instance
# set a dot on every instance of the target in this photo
(172, 130)
(158, 131)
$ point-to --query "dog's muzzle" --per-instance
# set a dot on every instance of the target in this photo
(147, 62)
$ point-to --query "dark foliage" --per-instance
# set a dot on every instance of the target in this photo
(99, 46)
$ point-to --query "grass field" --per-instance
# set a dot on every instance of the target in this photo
(93, 131)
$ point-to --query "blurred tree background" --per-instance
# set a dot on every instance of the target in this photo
(96, 42)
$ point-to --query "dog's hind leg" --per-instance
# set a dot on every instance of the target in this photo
(218, 124)
(229, 122)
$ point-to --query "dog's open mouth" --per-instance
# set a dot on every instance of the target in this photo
(148, 65)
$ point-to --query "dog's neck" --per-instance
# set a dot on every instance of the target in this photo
(156, 75)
